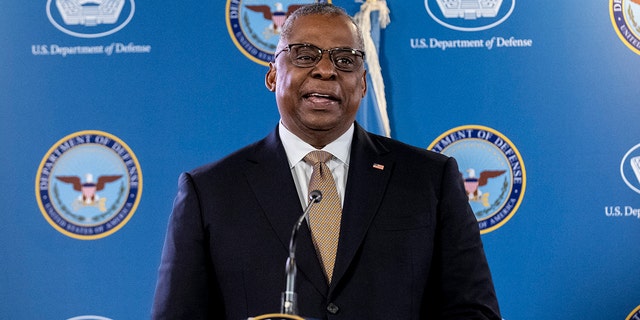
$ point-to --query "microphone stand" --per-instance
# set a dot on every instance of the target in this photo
(289, 307)
(289, 296)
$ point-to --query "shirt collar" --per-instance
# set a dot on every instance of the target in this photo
(296, 148)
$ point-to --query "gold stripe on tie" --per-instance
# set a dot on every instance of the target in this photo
(324, 217)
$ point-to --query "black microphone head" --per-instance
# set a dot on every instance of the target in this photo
(315, 196)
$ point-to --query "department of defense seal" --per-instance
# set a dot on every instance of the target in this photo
(630, 168)
(254, 25)
(89, 185)
(625, 17)
(469, 15)
(492, 169)
(90, 18)
(635, 314)
(89, 318)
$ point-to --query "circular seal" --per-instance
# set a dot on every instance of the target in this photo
(470, 17)
(89, 318)
(630, 168)
(90, 19)
(254, 25)
(625, 17)
(493, 172)
(88, 185)
(635, 314)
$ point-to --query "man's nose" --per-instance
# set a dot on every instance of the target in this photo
(324, 68)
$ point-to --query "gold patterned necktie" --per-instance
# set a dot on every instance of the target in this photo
(324, 217)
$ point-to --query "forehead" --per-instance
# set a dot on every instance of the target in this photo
(326, 31)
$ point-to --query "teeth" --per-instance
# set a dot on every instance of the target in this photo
(319, 95)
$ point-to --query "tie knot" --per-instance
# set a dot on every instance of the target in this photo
(315, 157)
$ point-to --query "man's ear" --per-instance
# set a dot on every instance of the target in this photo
(270, 78)
(364, 83)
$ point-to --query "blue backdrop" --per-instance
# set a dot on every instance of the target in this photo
(167, 79)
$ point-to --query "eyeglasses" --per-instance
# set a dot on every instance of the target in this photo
(306, 55)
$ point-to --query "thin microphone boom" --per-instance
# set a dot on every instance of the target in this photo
(289, 296)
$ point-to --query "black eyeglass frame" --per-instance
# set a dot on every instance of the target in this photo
(321, 52)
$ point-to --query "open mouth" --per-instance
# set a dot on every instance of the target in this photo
(320, 97)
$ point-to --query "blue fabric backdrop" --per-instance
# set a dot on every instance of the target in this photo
(559, 79)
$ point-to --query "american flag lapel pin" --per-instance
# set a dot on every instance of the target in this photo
(378, 166)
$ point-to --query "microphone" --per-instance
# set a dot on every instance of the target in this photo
(289, 296)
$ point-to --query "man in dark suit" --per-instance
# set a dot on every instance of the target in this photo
(408, 247)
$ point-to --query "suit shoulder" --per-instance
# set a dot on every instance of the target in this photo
(227, 165)
(406, 151)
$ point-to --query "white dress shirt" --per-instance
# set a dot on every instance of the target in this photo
(297, 149)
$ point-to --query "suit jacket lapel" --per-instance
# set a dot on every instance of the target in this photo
(271, 181)
(369, 170)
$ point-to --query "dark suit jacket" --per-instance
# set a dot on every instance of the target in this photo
(409, 243)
